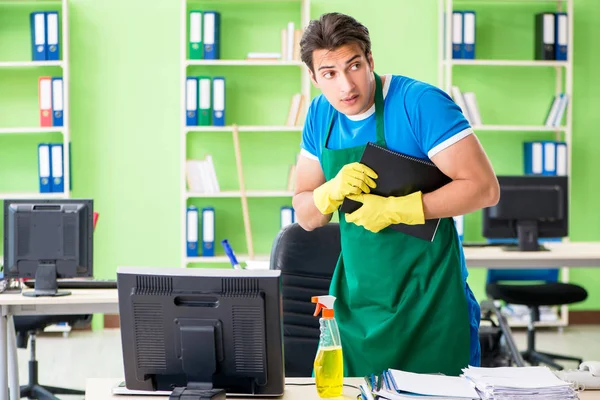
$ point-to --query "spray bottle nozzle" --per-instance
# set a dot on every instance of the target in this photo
(324, 303)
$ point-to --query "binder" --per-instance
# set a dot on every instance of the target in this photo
(208, 232)
(549, 158)
(58, 184)
(212, 35)
(219, 101)
(37, 21)
(561, 36)
(416, 174)
(44, 167)
(544, 36)
(195, 43)
(287, 216)
(191, 231)
(561, 159)
(191, 101)
(52, 36)
(204, 101)
(57, 102)
(533, 158)
(468, 35)
(457, 34)
(45, 100)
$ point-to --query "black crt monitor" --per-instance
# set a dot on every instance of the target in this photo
(530, 207)
(48, 239)
(202, 332)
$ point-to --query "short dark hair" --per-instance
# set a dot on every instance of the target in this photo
(330, 32)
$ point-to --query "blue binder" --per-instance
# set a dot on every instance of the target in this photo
(468, 46)
(457, 34)
(57, 102)
(208, 232)
(218, 93)
(561, 32)
(44, 167)
(212, 35)
(533, 160)
(52, 35)
(191, 101)
(191, 231)
(286, 216)
(37, 21)
(549, 158)
(57, 159)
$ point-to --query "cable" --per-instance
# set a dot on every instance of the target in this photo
(313, 384)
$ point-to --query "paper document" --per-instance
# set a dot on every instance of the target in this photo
(432, 385)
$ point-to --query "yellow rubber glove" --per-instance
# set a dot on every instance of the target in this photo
(354, 178)
(379, 212)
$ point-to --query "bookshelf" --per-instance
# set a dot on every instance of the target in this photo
(245, 132)
(475, 72)
(22, 121)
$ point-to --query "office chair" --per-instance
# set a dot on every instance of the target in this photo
(26, 327)
(306, 261)
(549, 293)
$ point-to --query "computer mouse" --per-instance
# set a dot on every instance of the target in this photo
(592, 366)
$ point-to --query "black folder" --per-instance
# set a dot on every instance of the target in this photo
(400, 175)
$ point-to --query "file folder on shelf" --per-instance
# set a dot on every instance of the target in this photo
(561, 36)
(204, 101)
(287, 216)
(212, 35)
(561, 159)
(44, 167)
(208, 232)
(37, 21)
(457, 34)
(544, 36)
(549, 158)
(534, 158)
(52, 35)
(57, 102)
(195, 44)
(468, 35)
(191, 101)
(192, 231)
(58, 184)
(219, 101)
(45, 100)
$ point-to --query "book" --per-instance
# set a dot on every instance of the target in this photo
(399, 175)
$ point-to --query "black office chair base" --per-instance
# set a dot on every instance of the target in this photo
(47, 392)
(535, 357)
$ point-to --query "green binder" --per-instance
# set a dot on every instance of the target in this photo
(204, 101)
(196, 43)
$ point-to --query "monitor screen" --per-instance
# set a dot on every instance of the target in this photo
(48, 239)
(219, 329)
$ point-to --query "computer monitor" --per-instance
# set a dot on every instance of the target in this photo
(530, 207)
(46, 240)
(215, 331)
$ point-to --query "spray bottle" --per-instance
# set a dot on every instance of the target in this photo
(329, 362)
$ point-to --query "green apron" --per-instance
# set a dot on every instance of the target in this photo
(400, 300)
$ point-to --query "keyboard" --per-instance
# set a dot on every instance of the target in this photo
(80, 284)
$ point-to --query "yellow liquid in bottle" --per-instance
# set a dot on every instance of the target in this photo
(329, 372)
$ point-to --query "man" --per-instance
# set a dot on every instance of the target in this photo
(402, 302)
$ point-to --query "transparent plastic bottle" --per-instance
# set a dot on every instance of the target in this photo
(329, 362)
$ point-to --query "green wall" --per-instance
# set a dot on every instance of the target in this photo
(125, 112)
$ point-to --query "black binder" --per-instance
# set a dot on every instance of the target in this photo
(545, 26)
(400, 175)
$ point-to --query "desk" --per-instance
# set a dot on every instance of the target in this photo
(561, 254)
(100, 389)
(81, 301)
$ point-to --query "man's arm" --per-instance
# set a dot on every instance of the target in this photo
(474, 184)
(309, 176)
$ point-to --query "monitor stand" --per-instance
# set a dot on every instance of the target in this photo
(45, 282)
(527, 232)
(197, 391)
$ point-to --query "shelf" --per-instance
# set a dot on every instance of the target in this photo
(234, 194)
(244, 63)
(8, 131)
(509, 63)
(242, 128)
(518, 128)
(510, 1)
(12, 196)
(224, 259)
(29, 64)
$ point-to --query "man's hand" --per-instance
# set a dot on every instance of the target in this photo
(354, 178)
(377, 212)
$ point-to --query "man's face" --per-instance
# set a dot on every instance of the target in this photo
(345, 76)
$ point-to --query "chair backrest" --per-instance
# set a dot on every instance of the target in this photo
(24, 324)
(307, 261)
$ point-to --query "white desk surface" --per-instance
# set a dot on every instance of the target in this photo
(561, 254)
(80, 301)
(100, 389)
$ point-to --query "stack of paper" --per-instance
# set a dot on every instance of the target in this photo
(525, 383)
(400, 385)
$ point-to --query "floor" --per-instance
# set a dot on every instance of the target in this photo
(68, 361)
